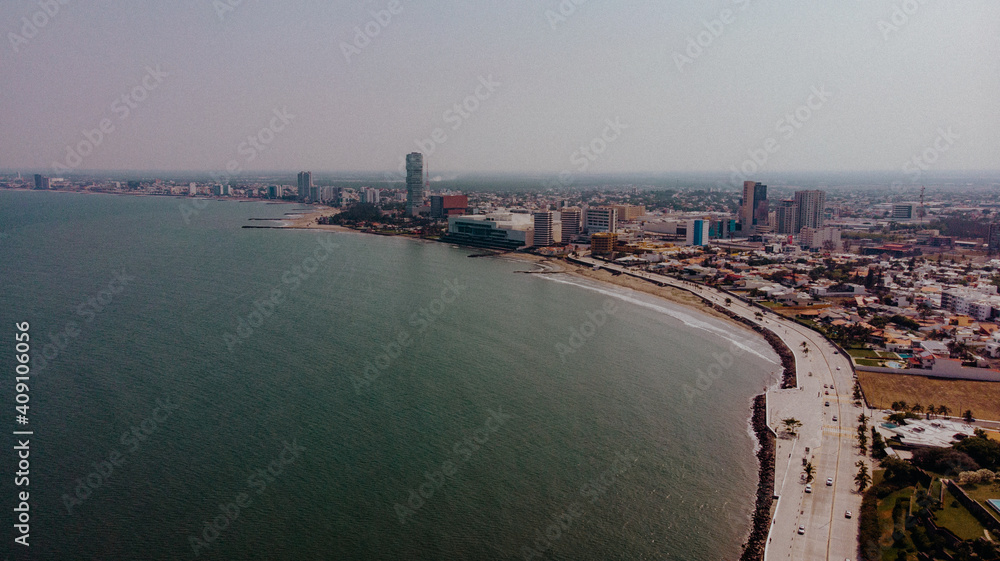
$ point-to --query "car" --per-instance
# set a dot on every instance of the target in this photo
(834, 418)
(826, 386)
(838, 368)
(802, 530)
(827, 404)
(827, 392)
(809, 488)
(829, 482)
(847, 514)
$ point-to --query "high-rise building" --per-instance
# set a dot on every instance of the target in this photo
(754, 207)
(371, 196)
(602, 219)
(697, 232)
(41, 182)
(305, 185)
(543, 228)
(905, 211)
(414, 183)
(602, 243)
(628, 213)
(810, 209)
(786, 217)
(993, 238)
(570, 223)
(273, 192)
(193, 189)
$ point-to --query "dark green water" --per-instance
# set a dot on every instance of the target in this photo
(608, 438)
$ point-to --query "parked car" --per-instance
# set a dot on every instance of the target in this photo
(802, 530)
(834, 418)
(829, 482)
(809, 488)
(827, 404)
(847, 514)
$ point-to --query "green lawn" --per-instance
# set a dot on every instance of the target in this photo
(957, 519)
(980, 493)
(867, 362)
(862, 353)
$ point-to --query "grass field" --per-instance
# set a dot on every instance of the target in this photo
(862, 353)
(983, 398)
(958, 519)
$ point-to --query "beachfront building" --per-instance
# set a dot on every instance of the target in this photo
(602, 219)
(603, 243)
(543, 224)
(501, 230)
(414, 183)
(443, 206)
(304, 185)
(570, 218)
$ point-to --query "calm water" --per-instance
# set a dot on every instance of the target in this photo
(614, 438)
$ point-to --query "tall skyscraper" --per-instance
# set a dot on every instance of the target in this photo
(41, 182)
(543, 228)
(993, 238)
(305, 184)
(570, 223)
(810, 213)
(414, 182)
(754, 208)
(786, 217)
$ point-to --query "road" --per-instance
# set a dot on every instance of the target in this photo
(832, 445)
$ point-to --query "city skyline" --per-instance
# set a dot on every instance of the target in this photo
(590, 89)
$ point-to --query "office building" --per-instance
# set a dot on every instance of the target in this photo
(305, 185)
(443, 206)
(697, 231)
(193, 189)
(905, 211)
(786, 216)
(370, 196)
(414, 183)
(41, 182)
(498, 230)
(810, 209)
(993, 237)
(754, 209)
(820, 238)
(602, 219)
(628, 213)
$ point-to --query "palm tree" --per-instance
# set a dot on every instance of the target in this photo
(729, 301)
(809, 470)
(917, 408)
(931, 410)
(943, 410)
(791, 424)
(862, 419)
(862, 478)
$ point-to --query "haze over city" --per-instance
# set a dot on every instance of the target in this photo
(514, 87)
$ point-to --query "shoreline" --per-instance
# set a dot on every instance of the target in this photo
(754, 545)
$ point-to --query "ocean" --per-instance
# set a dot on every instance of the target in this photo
(203, 391)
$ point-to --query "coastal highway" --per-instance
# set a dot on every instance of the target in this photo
(832, 444)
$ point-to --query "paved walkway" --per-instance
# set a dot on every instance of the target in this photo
(831, 444)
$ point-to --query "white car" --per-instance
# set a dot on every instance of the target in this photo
(847, 514)
(829, 482)
(809, 488)
(802, 530)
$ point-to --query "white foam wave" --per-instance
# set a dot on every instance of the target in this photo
(626, 295)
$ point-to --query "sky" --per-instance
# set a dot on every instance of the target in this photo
(585, 86)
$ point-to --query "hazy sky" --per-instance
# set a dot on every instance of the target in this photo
(883, 88)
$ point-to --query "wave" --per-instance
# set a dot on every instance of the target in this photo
(627, 295)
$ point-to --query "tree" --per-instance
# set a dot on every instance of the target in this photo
(810, 472)
(863, 479)
(968, 416)
(931, 410)
(878, 445)
(791, 424)
(943, 410)
(917, 408)
(729, 301)
(862, 419)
